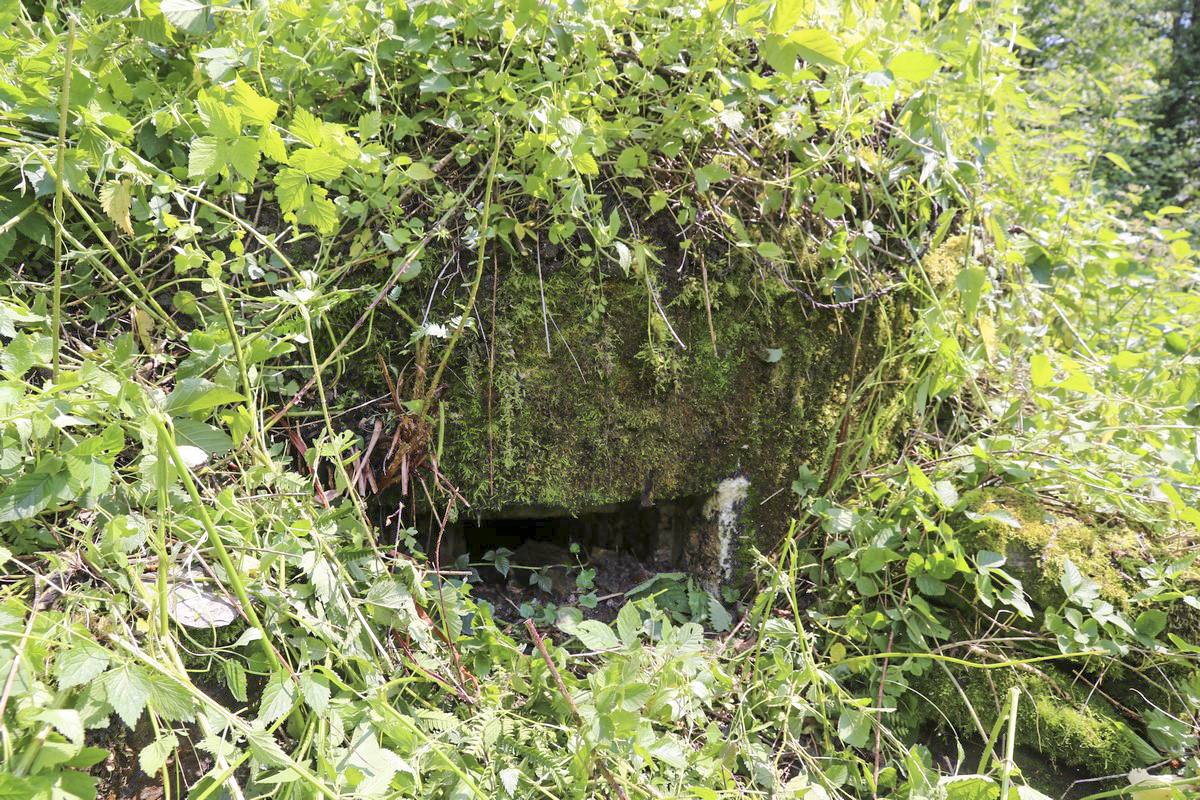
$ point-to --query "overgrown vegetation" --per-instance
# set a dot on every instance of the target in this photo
(215, 219)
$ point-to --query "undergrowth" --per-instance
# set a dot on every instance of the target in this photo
(192, 194)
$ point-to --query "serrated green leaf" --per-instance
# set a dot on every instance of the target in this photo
(595, 635)
(265, 750)
(256, 109)
(278, 698)
(317, 164)
(315, 689)
(307, 127)
(319, 212)
(291, 188)
(271, 145)
(202, 157)
(242, 154)
(79, 663)
(155, 755)
(116, 198)
(127, 689)
(223, 121)
(509, 779)
(585, 164)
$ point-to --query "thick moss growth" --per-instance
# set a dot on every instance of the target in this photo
(1055, 718)
(632, 401)
(1109, 555)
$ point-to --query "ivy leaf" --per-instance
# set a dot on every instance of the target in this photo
(116, 197)
(32, 493)
(198, 394)
(256, 109)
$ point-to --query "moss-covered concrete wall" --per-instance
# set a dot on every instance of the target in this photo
(630, 402)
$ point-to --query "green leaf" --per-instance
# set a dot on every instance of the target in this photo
(585, 164)
(90, 476)
(199, 394)
(223, 121)
(116, 198)
(256, 109)
(31, 494)
(211, 440)
(278, 698)
(853, 727)
(202, 157)
(155, 755)
(189, 16)
(1119, 160)
(818, 47)
(291, 187)
(307, 127)
(419, 172)
(769, 250)
(127, 689)
(509, 779)
(710, 174)
(1150, 622)
(787, 14)
(1041, 371)
(319, 212)
(315, 689)
(242, 154)
(970, 283)
(913, 66)
(317, 164)
(271, 145)
(595, 635)
(629, 624)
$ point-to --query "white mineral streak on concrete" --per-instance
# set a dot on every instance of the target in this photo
(724, 510)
